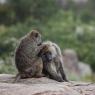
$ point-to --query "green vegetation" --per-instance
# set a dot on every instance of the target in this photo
(64, 27)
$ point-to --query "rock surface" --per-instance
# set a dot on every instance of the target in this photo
(73, 67)
(43, 86)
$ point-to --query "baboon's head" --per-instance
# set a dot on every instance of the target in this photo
(36, 36)
(45, 54)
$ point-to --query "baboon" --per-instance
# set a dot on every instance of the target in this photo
(26, 59)
(52, 61)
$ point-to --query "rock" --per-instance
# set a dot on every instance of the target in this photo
(85, 69)
(43, 86)
(75, 69)
(71, 64)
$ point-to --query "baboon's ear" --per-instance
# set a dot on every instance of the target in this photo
(34, 33)
(45, 48)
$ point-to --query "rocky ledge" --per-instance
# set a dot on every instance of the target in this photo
(43, 86)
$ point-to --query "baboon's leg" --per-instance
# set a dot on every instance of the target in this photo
(52, 74)
(59, 68)
(39, 69)
(62, 73)
(17, 78)
(39, 73)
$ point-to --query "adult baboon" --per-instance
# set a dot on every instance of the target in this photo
(52, 61)
(26, 59)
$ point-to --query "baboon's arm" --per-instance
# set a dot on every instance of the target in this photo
(52, 73)
(62, 72)
(58, 64)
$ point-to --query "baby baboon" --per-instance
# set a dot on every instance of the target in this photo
(26, 59)
(52, 61)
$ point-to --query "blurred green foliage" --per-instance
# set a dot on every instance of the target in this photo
(68, 28)
(20, 10)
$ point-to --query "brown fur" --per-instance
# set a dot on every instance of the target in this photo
(53, 67)
(26, 60)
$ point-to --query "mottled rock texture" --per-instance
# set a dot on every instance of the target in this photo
(43, 86)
